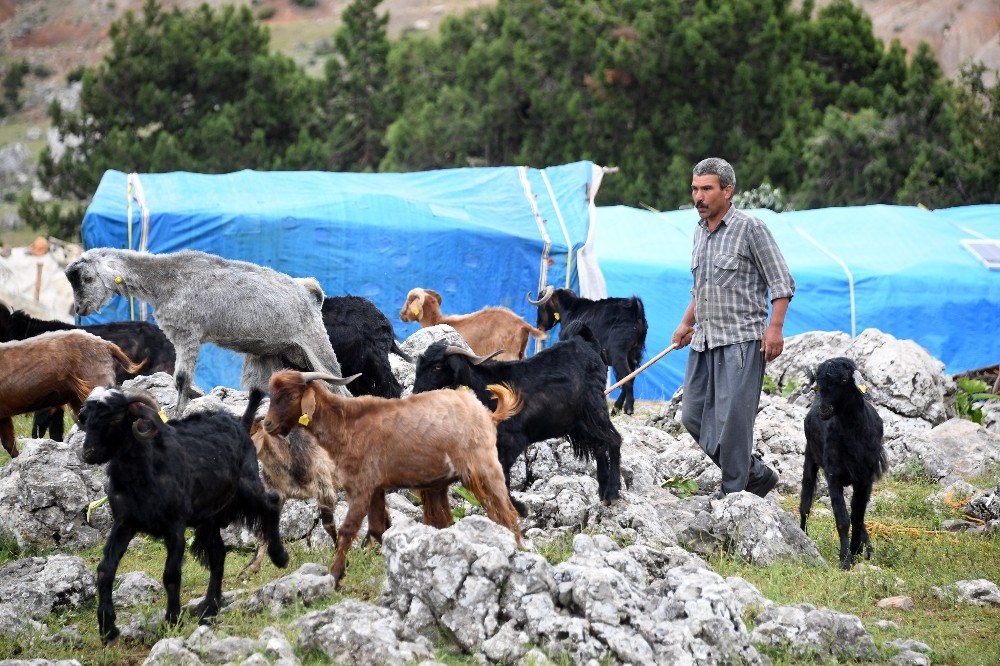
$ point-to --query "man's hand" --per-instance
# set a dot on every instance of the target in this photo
(772, 343)
(682, 335)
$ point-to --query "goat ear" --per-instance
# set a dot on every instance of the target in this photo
(433, 294)
(309, 401)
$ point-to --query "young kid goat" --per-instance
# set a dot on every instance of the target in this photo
(425, 442)
(199, 471)
(486, 331)
(844, 437)
(53, 369)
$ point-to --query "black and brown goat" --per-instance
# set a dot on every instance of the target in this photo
(844, 438)
(199, 471)
(424, 442)
(54, 369)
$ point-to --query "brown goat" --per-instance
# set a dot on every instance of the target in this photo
(425, 441)
(297, 467)
(53, 369)
(486, 331)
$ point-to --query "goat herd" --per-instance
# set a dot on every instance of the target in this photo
(467, 421)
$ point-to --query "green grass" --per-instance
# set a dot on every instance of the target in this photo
(907, 548)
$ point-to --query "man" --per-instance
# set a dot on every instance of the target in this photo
(735, 263)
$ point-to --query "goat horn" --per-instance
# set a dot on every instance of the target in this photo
(143, 434)
(144, 397)
(543, 296)
(326, 377)
(476, 360)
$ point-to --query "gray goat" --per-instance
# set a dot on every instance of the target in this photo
(199, 297)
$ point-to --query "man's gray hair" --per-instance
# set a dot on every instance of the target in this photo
(718, 167)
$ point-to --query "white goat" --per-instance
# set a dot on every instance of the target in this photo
(199, 297)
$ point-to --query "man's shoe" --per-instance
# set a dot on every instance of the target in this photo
(763, 484)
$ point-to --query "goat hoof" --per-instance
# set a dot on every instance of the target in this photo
(110, 637)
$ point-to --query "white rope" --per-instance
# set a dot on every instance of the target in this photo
(847, 271)
(969, 231)
(136, 192)
(544, 270)
(562, 225)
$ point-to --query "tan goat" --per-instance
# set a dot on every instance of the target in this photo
(486, 331)
(297, 467)
(53, 369)
(424, 442)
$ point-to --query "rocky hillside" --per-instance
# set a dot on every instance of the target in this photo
(62, 34)
(640, 581)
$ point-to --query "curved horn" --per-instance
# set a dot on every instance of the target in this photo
(326, 377)
(144, 397)
(476, 360)
(543, 296)
(144, 434)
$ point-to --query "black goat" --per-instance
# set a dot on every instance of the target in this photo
(563, 392)
(199, 471)
(138, 339)
(844, 437)
(362, 338)
(619, 324)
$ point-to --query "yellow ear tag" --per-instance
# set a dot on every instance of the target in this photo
(304, 420)
(863, 388)
(415, 310)
(556, 315)
(118, 279)
(163, 417)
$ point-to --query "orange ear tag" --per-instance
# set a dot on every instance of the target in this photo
(304, 420)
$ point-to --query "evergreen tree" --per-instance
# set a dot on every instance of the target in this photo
(361, 100)
(196, 91)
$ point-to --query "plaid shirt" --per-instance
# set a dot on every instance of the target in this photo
(733, 268)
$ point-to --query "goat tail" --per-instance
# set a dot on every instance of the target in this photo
(125, 361)
(256, 397)
(508, 399)
(538, 333)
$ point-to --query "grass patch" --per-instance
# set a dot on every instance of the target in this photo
(912, 557)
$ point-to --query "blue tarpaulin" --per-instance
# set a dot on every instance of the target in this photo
(475, 235)
(910, 274)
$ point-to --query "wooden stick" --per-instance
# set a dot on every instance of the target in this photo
(641, 368)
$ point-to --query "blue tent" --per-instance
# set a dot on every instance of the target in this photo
(478, 236)
(900, 269)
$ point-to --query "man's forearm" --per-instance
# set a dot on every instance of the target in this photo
(779, 307)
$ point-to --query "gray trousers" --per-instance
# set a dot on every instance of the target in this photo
(721, 394)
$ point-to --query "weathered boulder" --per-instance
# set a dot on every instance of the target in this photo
(353, 632)
(44, 494)
(136, 588)
(978, 592)
(599, 604)
(742, 524)
(901, 375)
(815, 634)
(35, 587)
(304, 586)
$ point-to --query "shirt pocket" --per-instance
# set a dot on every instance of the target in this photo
(727, 266)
